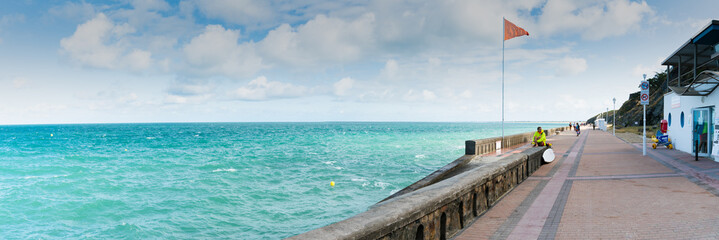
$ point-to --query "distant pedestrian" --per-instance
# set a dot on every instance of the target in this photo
(576, 128)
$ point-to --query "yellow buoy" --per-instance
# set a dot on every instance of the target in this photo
(332, 183)
(125, 149)
(50, 134)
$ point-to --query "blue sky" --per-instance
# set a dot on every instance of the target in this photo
(315, 60)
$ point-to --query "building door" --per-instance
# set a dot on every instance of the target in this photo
(702, 131)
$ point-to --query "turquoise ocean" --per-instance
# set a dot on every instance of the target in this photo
(213, 180)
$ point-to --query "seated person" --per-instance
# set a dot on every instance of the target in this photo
(539, 139)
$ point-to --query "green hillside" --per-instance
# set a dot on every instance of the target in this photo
(630, 112)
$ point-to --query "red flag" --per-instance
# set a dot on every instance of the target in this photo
(512, 31)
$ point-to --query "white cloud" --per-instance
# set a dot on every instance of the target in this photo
(413, 96)
(570, 102)
(263, 15)
(434, 62)
(114, 101)
(190, 90)
(409, 29)
(569, 66)
(10, 19)
(428, 95)
(100, 43)
(342, 87)
(262, 89)
(432, 51)
(243, 12)
(174, 99)
(73, 10)
(410, 96)
(390, 69)
(466, 94)
(87, 44)
(650, 70)
(191, 87)
(138, 60)
(335, 33)
(150, 5)
(19, 82)
(594, 20)
(196, 99)
(47, 107)
(319, 41)
(216, 51)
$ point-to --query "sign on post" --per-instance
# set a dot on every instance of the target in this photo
(644, 99)
(644, 93)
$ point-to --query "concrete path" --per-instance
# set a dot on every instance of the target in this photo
(601, 187)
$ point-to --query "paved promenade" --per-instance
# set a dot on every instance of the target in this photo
(600, 187)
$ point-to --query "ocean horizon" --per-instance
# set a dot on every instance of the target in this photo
(250, 180)
(204, 122)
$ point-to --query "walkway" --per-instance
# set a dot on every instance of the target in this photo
(601, 187)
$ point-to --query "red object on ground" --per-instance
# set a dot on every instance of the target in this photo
(664, 126)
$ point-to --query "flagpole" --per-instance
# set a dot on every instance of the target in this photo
(516, 32)
(504, 29)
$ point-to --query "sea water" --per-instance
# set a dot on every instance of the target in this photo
(213, 180)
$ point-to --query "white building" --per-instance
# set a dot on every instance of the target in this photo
(690, 106)
(601, 124)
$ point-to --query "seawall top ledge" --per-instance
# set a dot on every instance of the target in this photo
(385, 217)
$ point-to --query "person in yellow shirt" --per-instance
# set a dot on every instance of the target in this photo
(539, 139)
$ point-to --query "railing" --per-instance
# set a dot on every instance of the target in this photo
(488, 145)
(684, 79)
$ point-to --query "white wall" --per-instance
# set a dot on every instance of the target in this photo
(682, 136)
(601, 124)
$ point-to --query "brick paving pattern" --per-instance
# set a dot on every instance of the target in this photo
(659, 208)
(619, 164)
(493, 219)
(530, 225)
(601, 187)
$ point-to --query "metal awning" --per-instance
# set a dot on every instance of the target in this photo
(703, 85)
(704, 42)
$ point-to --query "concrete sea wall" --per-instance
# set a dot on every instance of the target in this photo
(440, 205)
(472, 148)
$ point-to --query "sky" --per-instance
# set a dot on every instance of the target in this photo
(316, 60)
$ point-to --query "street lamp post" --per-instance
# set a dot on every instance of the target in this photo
(644, 126)
(614, 117)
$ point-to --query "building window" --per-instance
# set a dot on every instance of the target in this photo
(681, 119)
(670, 119)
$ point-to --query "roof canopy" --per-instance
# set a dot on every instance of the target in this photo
(703, 85)
(704, 42)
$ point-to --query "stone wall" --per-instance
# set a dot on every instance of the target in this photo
(440, 210)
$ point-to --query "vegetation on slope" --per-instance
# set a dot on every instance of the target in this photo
(630, 113)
